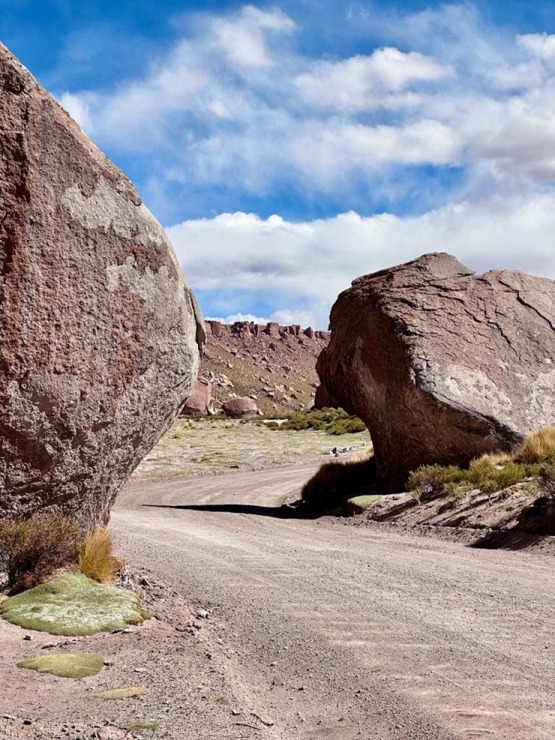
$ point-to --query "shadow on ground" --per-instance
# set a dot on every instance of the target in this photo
(511, 539)
(278, 512)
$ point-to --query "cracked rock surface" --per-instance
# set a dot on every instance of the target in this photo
(98, 333)
(442, 364)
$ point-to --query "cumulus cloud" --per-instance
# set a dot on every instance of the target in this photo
(235, 104)
(379, 80)
(445, 118)
(309, 263)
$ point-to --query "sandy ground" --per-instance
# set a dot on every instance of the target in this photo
(314, 630)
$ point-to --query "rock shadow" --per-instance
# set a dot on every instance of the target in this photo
(512, 539)
(277, 512)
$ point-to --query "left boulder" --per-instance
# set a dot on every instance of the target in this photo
(98, 330)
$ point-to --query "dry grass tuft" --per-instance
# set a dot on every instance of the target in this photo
(537, 447)
(96, 557)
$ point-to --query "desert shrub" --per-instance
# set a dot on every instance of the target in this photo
(430, 481)
(489, 478)
(489, 473)
(332, 421)
(96, 557)
(32, 549)
(537, 447)
(547, 479)
(336, 481)
(351, 425)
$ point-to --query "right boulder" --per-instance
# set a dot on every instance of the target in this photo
(441, 364)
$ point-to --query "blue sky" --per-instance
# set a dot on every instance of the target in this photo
(290, 147)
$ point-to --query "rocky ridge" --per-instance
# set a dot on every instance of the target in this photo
(271, 364)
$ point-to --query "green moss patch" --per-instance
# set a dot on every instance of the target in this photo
(130, 693)
(73, 605)
(139, 726)
(359, 504)
(67, 665)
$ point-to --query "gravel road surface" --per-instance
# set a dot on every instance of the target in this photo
(330, 631)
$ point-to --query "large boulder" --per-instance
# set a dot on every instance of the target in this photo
(98, 334)
(240, 408)
(441, 364)
(198, 403)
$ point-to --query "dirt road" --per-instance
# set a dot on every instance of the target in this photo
(327, 631)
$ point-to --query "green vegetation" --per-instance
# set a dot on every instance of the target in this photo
(96, 557)
(73, 605)
(32, 549)
(139, 726)
(130, 693)
(332, 421)
(547, 479)
(489, 473)
(359, 504)
(67, 665)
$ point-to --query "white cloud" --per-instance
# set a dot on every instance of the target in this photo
(242, 39)
(232, 318)
(78, 108)
(237, 104)
(541, 45)
(234, 104)
(309, 263)
(379, 80)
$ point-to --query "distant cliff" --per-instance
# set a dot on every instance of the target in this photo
(275, 365)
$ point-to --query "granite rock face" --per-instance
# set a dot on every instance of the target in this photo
(98, 333)
(441, 364)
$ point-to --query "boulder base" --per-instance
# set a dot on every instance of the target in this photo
(98, 333)
(441, 364)
(240, 408)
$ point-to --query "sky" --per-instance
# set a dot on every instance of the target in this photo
(288, 148)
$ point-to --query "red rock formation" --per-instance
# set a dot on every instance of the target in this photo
(240, 408)
(98, 333)
(217, 328)
(443, 365)
(272, 329)
(198, 403)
